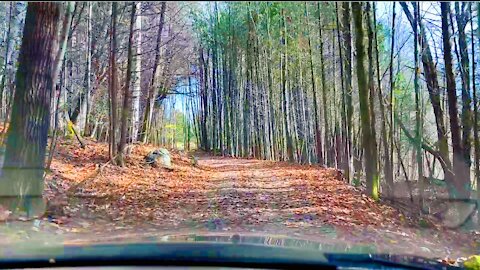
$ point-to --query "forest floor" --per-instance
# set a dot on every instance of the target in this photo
(223, 195)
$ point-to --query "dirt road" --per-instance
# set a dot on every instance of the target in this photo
(311, 202)
(223, 195)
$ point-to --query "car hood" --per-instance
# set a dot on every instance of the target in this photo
(243, 246)
(247, 238)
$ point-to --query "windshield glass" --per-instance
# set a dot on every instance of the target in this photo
(336, 126)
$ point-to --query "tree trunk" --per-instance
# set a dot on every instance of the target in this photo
(286, 112)
(392, 120)
(371, 85)
(324, 91)
(387, 166)
(368, 143)
(431, 77)
(59, 62)
(343, 148)
(348, 84)
(204, 100)
(88, 83)
(22, 172)
(459, 190)
(137, 75)
(126, 93)
(318, 134)
(418, 121)
(475, 109)
(113, 83)
(466, 115)
(151, 86)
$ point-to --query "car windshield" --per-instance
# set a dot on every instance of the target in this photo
(346, 127)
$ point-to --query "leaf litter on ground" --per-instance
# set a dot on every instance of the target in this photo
(228, 194)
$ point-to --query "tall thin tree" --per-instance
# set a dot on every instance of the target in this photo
(126, 110)
(368, 143)
(113, 83)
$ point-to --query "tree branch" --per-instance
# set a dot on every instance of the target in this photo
(425, 146)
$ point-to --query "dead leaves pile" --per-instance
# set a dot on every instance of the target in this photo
(303, 195)
(129, 192)
(225, 194)
(239, 192)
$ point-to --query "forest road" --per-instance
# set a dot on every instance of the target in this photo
(248, 195)
(225, 195)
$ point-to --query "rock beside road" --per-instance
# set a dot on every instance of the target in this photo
(160, 157)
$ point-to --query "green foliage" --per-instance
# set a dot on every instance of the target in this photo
(261, 20)
(383, 47)
(176, 128)
(404, 103)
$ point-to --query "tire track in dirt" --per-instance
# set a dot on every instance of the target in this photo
(256, 195)
(233, 195)
(288, 199)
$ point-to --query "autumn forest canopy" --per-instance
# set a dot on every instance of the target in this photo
(381, 95)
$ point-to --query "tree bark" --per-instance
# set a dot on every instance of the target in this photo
(346, 29)
(326, 140)
(368, 143)
(113, 83)
(460, 191)
(22, 172)
(466, 116)
(391, 107)
(371, 83)
(151, 86)
(318, 134)
(418, 118)
(88, 81)
(203, 100)
(137, 76)
(126, 93)
(475, 106)
(287, 130)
